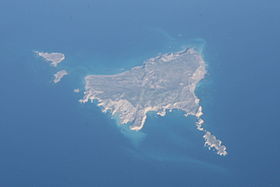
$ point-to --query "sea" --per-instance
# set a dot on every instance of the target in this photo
(49, 139)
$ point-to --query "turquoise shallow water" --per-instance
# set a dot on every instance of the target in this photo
(49, 139)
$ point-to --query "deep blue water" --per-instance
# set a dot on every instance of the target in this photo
(47, 138)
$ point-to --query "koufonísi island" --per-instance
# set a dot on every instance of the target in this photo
(163, 83)
(54, 58)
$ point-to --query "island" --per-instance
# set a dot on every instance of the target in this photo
(59, 75)
(54, 58)
(76, 90)
(161, 84)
